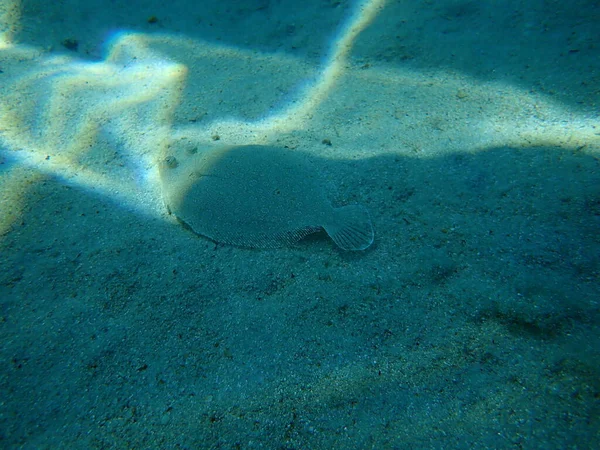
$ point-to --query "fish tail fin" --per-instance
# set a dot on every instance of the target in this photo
(351, 228)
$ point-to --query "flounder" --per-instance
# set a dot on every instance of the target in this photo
(257, 196)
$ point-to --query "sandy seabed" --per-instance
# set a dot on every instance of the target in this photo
(469, 129)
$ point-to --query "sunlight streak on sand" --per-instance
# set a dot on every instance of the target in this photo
(96, 125)
(104, 125)
(10, 22)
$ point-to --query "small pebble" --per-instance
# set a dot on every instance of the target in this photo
(461, 94)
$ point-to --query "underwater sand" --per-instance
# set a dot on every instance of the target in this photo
(469, 130)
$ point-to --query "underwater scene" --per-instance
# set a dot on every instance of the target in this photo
(317, 224)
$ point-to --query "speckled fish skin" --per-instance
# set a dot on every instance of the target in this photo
(257, 196)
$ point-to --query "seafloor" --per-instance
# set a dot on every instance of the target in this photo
(469, 129)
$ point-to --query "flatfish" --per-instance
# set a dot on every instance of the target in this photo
(257, 196)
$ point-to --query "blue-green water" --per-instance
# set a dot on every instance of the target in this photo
(469, 130)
